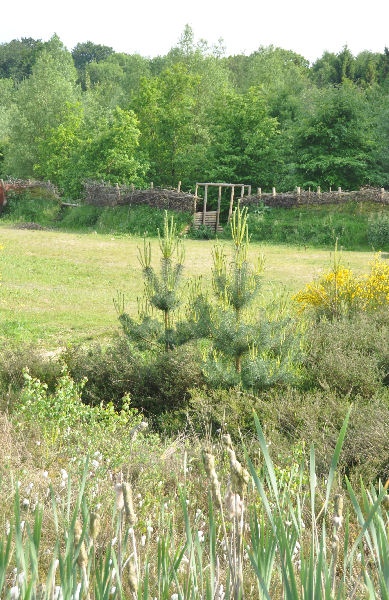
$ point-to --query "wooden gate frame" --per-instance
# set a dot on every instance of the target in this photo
(242, 187)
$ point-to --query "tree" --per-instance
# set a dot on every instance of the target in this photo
(242, 139)
(172, 131)
(6, 111)
(248, 348)
(87, 52)
(335, 139)
(72, 152)
(17, 58)
(40, 104)
(118, 77)
(162, 292)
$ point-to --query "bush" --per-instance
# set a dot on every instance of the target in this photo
(339, 292)
(41, 365)
(293, 418)
(202, 233)
(110, 371)
(26, 207)
(349, 355)
(378, 232)
(155, 384)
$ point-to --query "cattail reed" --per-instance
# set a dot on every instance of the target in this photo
(239, 475)
(337, 520)
(132, 579)
(209, 464)
(128, 504)
(82, 556)
(119, 497)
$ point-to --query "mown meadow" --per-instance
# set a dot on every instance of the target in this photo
(192, 419)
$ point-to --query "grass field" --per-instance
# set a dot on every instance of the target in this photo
(59, 287)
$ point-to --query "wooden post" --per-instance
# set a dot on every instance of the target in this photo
(231, 203)
(179, 187)
(195, 198)
(382, 193)
(151, 185)
(205, 202)
(132, 188)
(298, 190)
(3, 198)
(309, 191)
(219, 199)
(318, 190)
(274, 191)
(259, 192)
(339, 190)
(330, 189)
(249, 190)
(242, 191)
(117, 191)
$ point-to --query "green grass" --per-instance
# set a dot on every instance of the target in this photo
(117, 220)
(318, 226)
(58, 287)
(353, 224)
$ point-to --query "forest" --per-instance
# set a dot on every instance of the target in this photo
(269, 118)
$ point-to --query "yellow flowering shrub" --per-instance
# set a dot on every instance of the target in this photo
(339, 291)
(373, 289)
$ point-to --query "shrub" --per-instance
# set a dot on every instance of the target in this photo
(292, 418)
(203, 233)
(25, 207)
(41, 365)
(110, 371)
(155, 384)
(340, 292)
(378, 232)
(350, 355)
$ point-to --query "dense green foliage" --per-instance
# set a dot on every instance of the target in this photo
(269, 118)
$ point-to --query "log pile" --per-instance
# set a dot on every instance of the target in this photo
(303, 197)
(103, 194)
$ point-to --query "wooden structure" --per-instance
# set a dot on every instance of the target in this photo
(212, 218)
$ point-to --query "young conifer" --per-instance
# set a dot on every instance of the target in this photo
(247, 347)
(162, 291)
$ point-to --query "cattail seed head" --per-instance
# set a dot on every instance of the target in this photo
(239, 475)
(227, 440)
(233, 502)
(209, 465)
(119, 496)
(94, 525)
(82, 556)
(209, 462)
(132, 579)
(128, 504)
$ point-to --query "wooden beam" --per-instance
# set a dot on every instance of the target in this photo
(231, 203)
(219, 199)
(205, 202)
(195, 198)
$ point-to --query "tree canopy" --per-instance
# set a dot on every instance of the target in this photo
(268, 118)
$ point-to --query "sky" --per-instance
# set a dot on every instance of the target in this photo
(152, 27)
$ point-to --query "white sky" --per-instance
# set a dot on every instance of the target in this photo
(152, 27)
